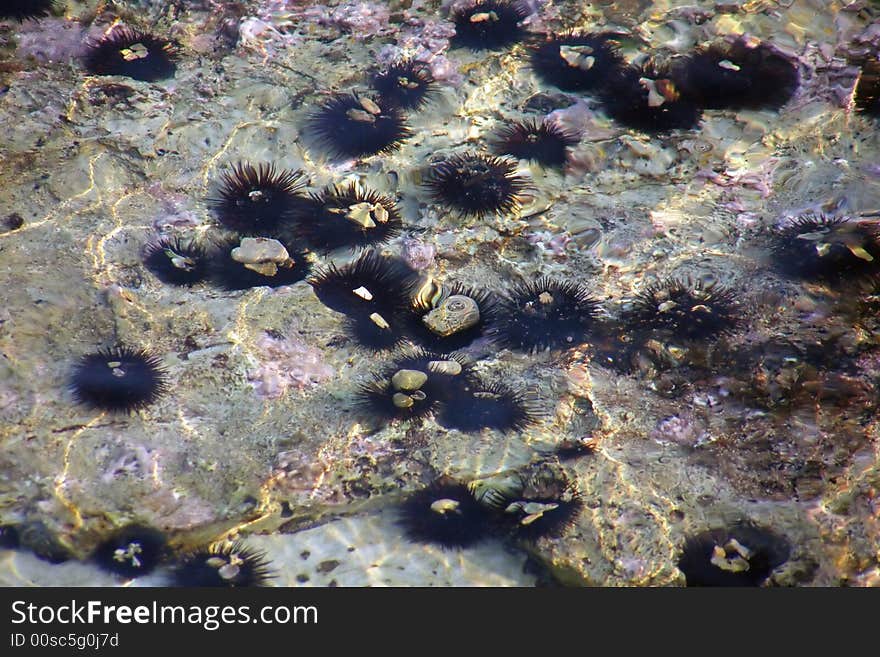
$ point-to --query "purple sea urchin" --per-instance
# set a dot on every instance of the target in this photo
(493, 406)
(545, 143)
(232, 271)
(684, 310)
(416, 385)
(135, 54)
(118, 379)
(646, 99)
(22, 10)
(347, 217)
(257, 200)
(176, 262)
(224, 565)
(407, 84)
(352, 125)
(132, 551)
(475, 185)
(739, 74)
(447, 514)
(828, 249)
(743, 555)
(546, 314)
(577, 61)
(489, 24)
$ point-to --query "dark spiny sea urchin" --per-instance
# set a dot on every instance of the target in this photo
(132, 551)
(451, 318)
(550, 515)
(22, 10)
(546, 314)
(416, 385)
(118, 379)
(545, 143)
(646, 99)
(494, 406)
(742, 555)
(230, 272)
(407, 84)
(257, 200)
(374, 291)
(353, 125)
(489, 24)
(684, 309)
(867, 93)
(739, 74)
(447, 514)
(348, 216)
(476, 185)
(226, 564)
(577, 61)
(130, 52)
(176, 262)
(372, 283)
(832, 250)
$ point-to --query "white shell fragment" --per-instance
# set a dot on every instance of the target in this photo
(578, 56)
(363, 293)
(366, 215)
(454, 314)
(401, 400)
(445, 506)
(379, 321)
(449, 367)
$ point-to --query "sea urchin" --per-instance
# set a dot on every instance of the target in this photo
(475, 185)
(226, 564)
(828, 249)
(741, 74)
(128, 51)
(176, 262)
(545, 143)
(684, 310)
(407, 84)
(257, 200)
(353, 125)
(447, 514)
(494, 406)
(546, 314)
(132, 551)
(22, 10)
(489, 24)
(577, 61)
(347, 217)
(118, 379)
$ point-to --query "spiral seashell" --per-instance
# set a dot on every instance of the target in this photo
(453, 315)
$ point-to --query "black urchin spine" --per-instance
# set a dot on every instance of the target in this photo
(446, 514)
(493, 406)
(22, 10)
(231, 274)
(130, 52)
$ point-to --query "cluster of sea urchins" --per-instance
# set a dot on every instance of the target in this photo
(137, 550)
(362, 123)
(656, 95)
(456, 515)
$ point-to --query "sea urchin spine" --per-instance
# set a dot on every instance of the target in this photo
(118, 379)
(352, 125)
(545, 143)
(128, 51)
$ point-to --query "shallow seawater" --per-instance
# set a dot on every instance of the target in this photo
(734, 427)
